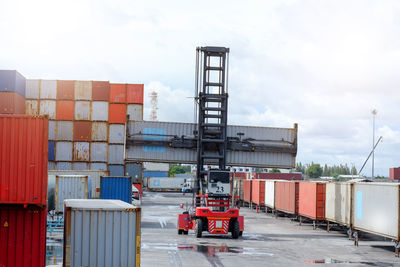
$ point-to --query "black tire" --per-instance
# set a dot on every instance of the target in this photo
(198, 228)
(180, 231)
(185, 232)
(185, 212)
(240, 233)
(236, 230)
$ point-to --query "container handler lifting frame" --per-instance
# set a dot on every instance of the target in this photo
(213, 209)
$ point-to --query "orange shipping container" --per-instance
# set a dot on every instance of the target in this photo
(258, 192)
(100, 91)
(12, 103)
(247, 190)
(312, 200)
(82, 130)
(117, 93)
(117, 113)
(287, 196)
(65, 110)
(65, 90)
(134, 93)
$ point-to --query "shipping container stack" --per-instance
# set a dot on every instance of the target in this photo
(87, 121)
(12, 92)
(23, 194)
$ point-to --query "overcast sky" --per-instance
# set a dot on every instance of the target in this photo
(322, 64)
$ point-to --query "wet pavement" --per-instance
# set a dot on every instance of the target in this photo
(267, 241)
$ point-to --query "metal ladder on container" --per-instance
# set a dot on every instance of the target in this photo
(212, 98)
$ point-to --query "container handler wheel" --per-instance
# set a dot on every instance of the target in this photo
(198, 228)
(236, 230)
(240, 233)
(180, 231)
(185, 232)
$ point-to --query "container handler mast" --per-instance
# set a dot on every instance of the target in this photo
(213, 208)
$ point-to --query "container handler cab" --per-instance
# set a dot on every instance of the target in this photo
(213, 209)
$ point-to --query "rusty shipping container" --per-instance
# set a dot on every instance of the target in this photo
(117, 93)
(287, 196)
(48, 107)
(48, 89)
(65, 90)
(32, 107)
(99, 131)
(82, 110)
(134, 93)
(247, 190)
(258, 192)
(117, 113)
(12, 103)
(99, 111)
(83, 90)
(23, 159)
(64, 130)
(81, 151)
(82, 130)
(312, 200)
(32, 89)
(22, 236)
(100, 91)
(65, 110)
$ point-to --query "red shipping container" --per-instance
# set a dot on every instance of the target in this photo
(287, 196)
(239, 175)
(12, 103)
(82, 130)
(278, 176)
(23, 159)
(117, 93)
(247, 190)
(65, 110)
(134, 93)
(117, 113)
(22, 236)
(65, 90)
(394, 173)
(312, 200)
(100, 91)
(258, 192)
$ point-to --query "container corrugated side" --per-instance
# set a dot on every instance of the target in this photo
(247, 190)
(63, 165)
(98, 166)
(52, 130)
(234, 158)
(99, 111)
(135, 112)
(22, 236)
(101, 233)
(312, 200)
(116, 187)
(93, 174)
(155, 174)
(48, 107)
(32, 89)
(116, 154)
(63, 151)
(116, 170)
(80, 166)
(82, 110)
(258, 192)
(83, 90)
(12, 103)
(81, 151)
(338, 203)
(12, 81)
(155, 183)
(64, 130)
(23, 159)
(116, 134)
(270, 194)
(32, 107)
(98, 152)
(71, 187)
(375, 209)
(135, 170)
(287, 196)
(154, 166)
(99, 131)
(48, 89)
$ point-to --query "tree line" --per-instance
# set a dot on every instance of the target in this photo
(315, 170)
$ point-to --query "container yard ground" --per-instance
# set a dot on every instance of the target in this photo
(267, 241)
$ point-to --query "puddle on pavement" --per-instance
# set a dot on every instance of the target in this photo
(332, 261)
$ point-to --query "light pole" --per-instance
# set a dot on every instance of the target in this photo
(374, 112)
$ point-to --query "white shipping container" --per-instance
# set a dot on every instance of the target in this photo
(52, 130)
(135, 112)
(98, 166)
(32, 89)
(101, 233)
(48, 107)
(80, 166)
(270, 194)
(48, 89)
(99, 111)
(64, 130)
(99, 152)
(83, 90)
(81, 151)
(71, 187)
(99, 131)
(116, 154)
(63, 151)
(82, 110)
(375, 209)
(116, 134)
(155, 183)
(94, 176)
(32, 107)
(153, 166)
(61, 166)
(338, 203)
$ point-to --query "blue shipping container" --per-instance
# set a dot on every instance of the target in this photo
(12, 81)
(116, 188)
(135, 171)
(51, 152)
(155, 174)
(116, 170)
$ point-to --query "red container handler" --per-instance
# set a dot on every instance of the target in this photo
(312, 200)
(258, 192)
(22, 236)
(247, 190)
(287, 196)
(23, 159)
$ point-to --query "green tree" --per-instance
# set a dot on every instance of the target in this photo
(174, 169)
(314, 170)
(274, 170)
